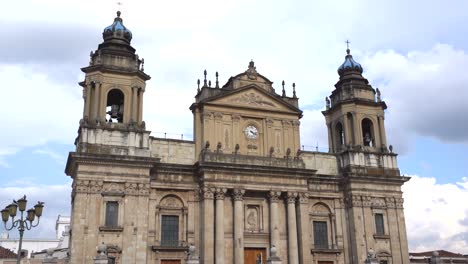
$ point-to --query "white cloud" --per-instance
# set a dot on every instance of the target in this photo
(425, 92)
(60, 159)
(435, 214)
(36, 109)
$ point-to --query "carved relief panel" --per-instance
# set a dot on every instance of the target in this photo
(253, 218)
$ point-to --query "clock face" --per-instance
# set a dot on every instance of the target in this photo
(251, 132)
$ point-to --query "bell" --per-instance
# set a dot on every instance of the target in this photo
(114, 112)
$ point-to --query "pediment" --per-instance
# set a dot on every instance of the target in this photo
(254, 97)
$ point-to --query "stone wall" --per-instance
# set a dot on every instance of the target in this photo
(173, 150)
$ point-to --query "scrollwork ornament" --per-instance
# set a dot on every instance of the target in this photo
(356, 200)
(390, 201)
(143, 188)
(274, 196)
(95, 186)
(207, 193)
(399, 203)
(220, 194)
(291, 197)
(131, 188)
(366, 201)
(81, 186)
(238, 194)
(303, 198)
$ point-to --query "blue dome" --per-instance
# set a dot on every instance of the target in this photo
(349, 65)
(117, 30)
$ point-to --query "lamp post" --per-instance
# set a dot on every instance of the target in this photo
(25, 222)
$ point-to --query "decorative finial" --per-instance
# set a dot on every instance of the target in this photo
(283, 91)
(209, 83)
(217, 83)
(142, 64)
(204, 81)
(251, 71)
(198, 84)
(118, 13)
(294, 90)
(347, 47)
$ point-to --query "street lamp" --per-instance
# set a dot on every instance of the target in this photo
(24, 222)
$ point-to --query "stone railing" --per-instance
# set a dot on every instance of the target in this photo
(219, 157)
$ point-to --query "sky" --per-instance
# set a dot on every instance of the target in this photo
(415, 52)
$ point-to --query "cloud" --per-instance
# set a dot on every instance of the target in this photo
(436, 214)
(60, 159)
(425, 92)
(55, 197)
(36, 110)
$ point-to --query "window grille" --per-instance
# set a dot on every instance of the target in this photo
(170, 231)
(112, 214)
(320, 234)
(379, 224)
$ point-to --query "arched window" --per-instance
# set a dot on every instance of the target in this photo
(367, 132)
(171, 217)
(115, 106)
(339, 134)
(322, 228)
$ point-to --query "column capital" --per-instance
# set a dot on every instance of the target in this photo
(207, 193)
(291, 197)
(303, 198)
(220, 193)
(274, 196)
(238, 194)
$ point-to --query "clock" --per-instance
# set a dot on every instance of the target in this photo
(251, 132)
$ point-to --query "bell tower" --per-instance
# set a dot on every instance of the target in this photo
(113, 92)
(355, 112)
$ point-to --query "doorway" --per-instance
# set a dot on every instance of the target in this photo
(255, 256)
(170, 261)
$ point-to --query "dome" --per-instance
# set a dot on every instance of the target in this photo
(117, 30)
(349, 64)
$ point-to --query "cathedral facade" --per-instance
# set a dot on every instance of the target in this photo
(242, 191)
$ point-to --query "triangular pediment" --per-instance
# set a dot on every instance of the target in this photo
(253, 97)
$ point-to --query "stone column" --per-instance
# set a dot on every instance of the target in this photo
(95, 111)
(383, 137)
(220, 194)
(331, 148)
(140, 105)
(87, 100)
(238, 242)
(134, 105)
(208, 226)
(274, 231)
(292, 228)
(303, 228)
(356, 134)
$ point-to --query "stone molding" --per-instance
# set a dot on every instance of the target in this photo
(374, 202)
(98, 187)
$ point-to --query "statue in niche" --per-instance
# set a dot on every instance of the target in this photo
(252, 220)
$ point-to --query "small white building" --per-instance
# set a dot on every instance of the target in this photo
(39, 244)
